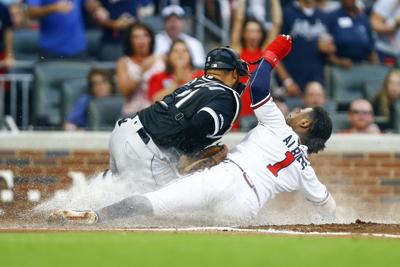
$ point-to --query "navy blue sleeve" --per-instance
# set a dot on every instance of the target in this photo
(370, 36)
(5, 17)
(260, 83)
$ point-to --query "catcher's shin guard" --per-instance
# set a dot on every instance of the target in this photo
(62, 217)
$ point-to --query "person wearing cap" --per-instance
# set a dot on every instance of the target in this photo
(148, 146)
(174, 24)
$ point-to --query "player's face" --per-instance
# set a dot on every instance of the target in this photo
(299, 120)
(298, 113)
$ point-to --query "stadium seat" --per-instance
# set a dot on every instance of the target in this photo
(26, 44)
(372, 88)
(105, 65)
(49, 77)
(397, 117)
(70, 92)
(104, 112)
(154, 22)
(349, 84)
(340, 121)
(93, 42)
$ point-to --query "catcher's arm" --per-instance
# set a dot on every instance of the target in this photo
(206, 158)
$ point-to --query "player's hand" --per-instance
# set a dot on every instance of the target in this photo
(63, 6)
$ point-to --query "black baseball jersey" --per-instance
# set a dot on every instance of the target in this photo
(193, 117)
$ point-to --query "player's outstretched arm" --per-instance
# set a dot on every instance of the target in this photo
(260, 80)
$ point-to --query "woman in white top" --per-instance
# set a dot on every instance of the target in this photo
(136, 67)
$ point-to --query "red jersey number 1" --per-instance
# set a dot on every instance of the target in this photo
(281, 164)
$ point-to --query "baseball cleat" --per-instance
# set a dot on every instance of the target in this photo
(63, 217)
(278, 49)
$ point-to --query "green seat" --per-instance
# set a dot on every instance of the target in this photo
(340, 121)
(105, 65)
(156, 23)
(71, 91)
(49, 77)
(26, 44)
(397, 116)
(347, 85)
(372, 88)
(93, 42)
(104, 112)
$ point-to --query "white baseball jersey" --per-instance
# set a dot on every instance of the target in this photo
(274, 159)
(269, 160)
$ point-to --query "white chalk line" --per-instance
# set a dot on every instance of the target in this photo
(201, 229)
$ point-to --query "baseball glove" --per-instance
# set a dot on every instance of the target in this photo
(206, 158)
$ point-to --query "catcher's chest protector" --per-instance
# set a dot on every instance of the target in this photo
(167, 119)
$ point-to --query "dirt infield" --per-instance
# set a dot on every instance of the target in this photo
(357, 227)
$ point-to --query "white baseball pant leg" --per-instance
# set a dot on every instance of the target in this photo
(221, 191)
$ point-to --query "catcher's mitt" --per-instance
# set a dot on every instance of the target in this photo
(206, 158)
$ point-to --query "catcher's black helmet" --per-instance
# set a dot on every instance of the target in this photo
(226, 58)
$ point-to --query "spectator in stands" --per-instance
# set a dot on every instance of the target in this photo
(361, 118)
(384, 102)
(314, 95)
(174, 25)
(62, 33)
(100, 85)
(307, 26)
(6, 50)
(352, 34)
(179, 70)
(249, 38)
(122, 14)
(135, 68)
(385, 21)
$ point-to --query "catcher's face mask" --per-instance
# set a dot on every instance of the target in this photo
(226, 58)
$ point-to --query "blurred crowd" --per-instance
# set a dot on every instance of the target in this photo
(151, 61)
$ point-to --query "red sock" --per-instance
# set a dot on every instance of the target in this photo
(278, 49)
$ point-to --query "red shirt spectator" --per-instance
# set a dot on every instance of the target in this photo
(163, 80)
(179, 70)
(249, 38)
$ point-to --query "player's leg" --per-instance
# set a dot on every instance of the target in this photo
(184, 194)
(205, 192)
(130, 156)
